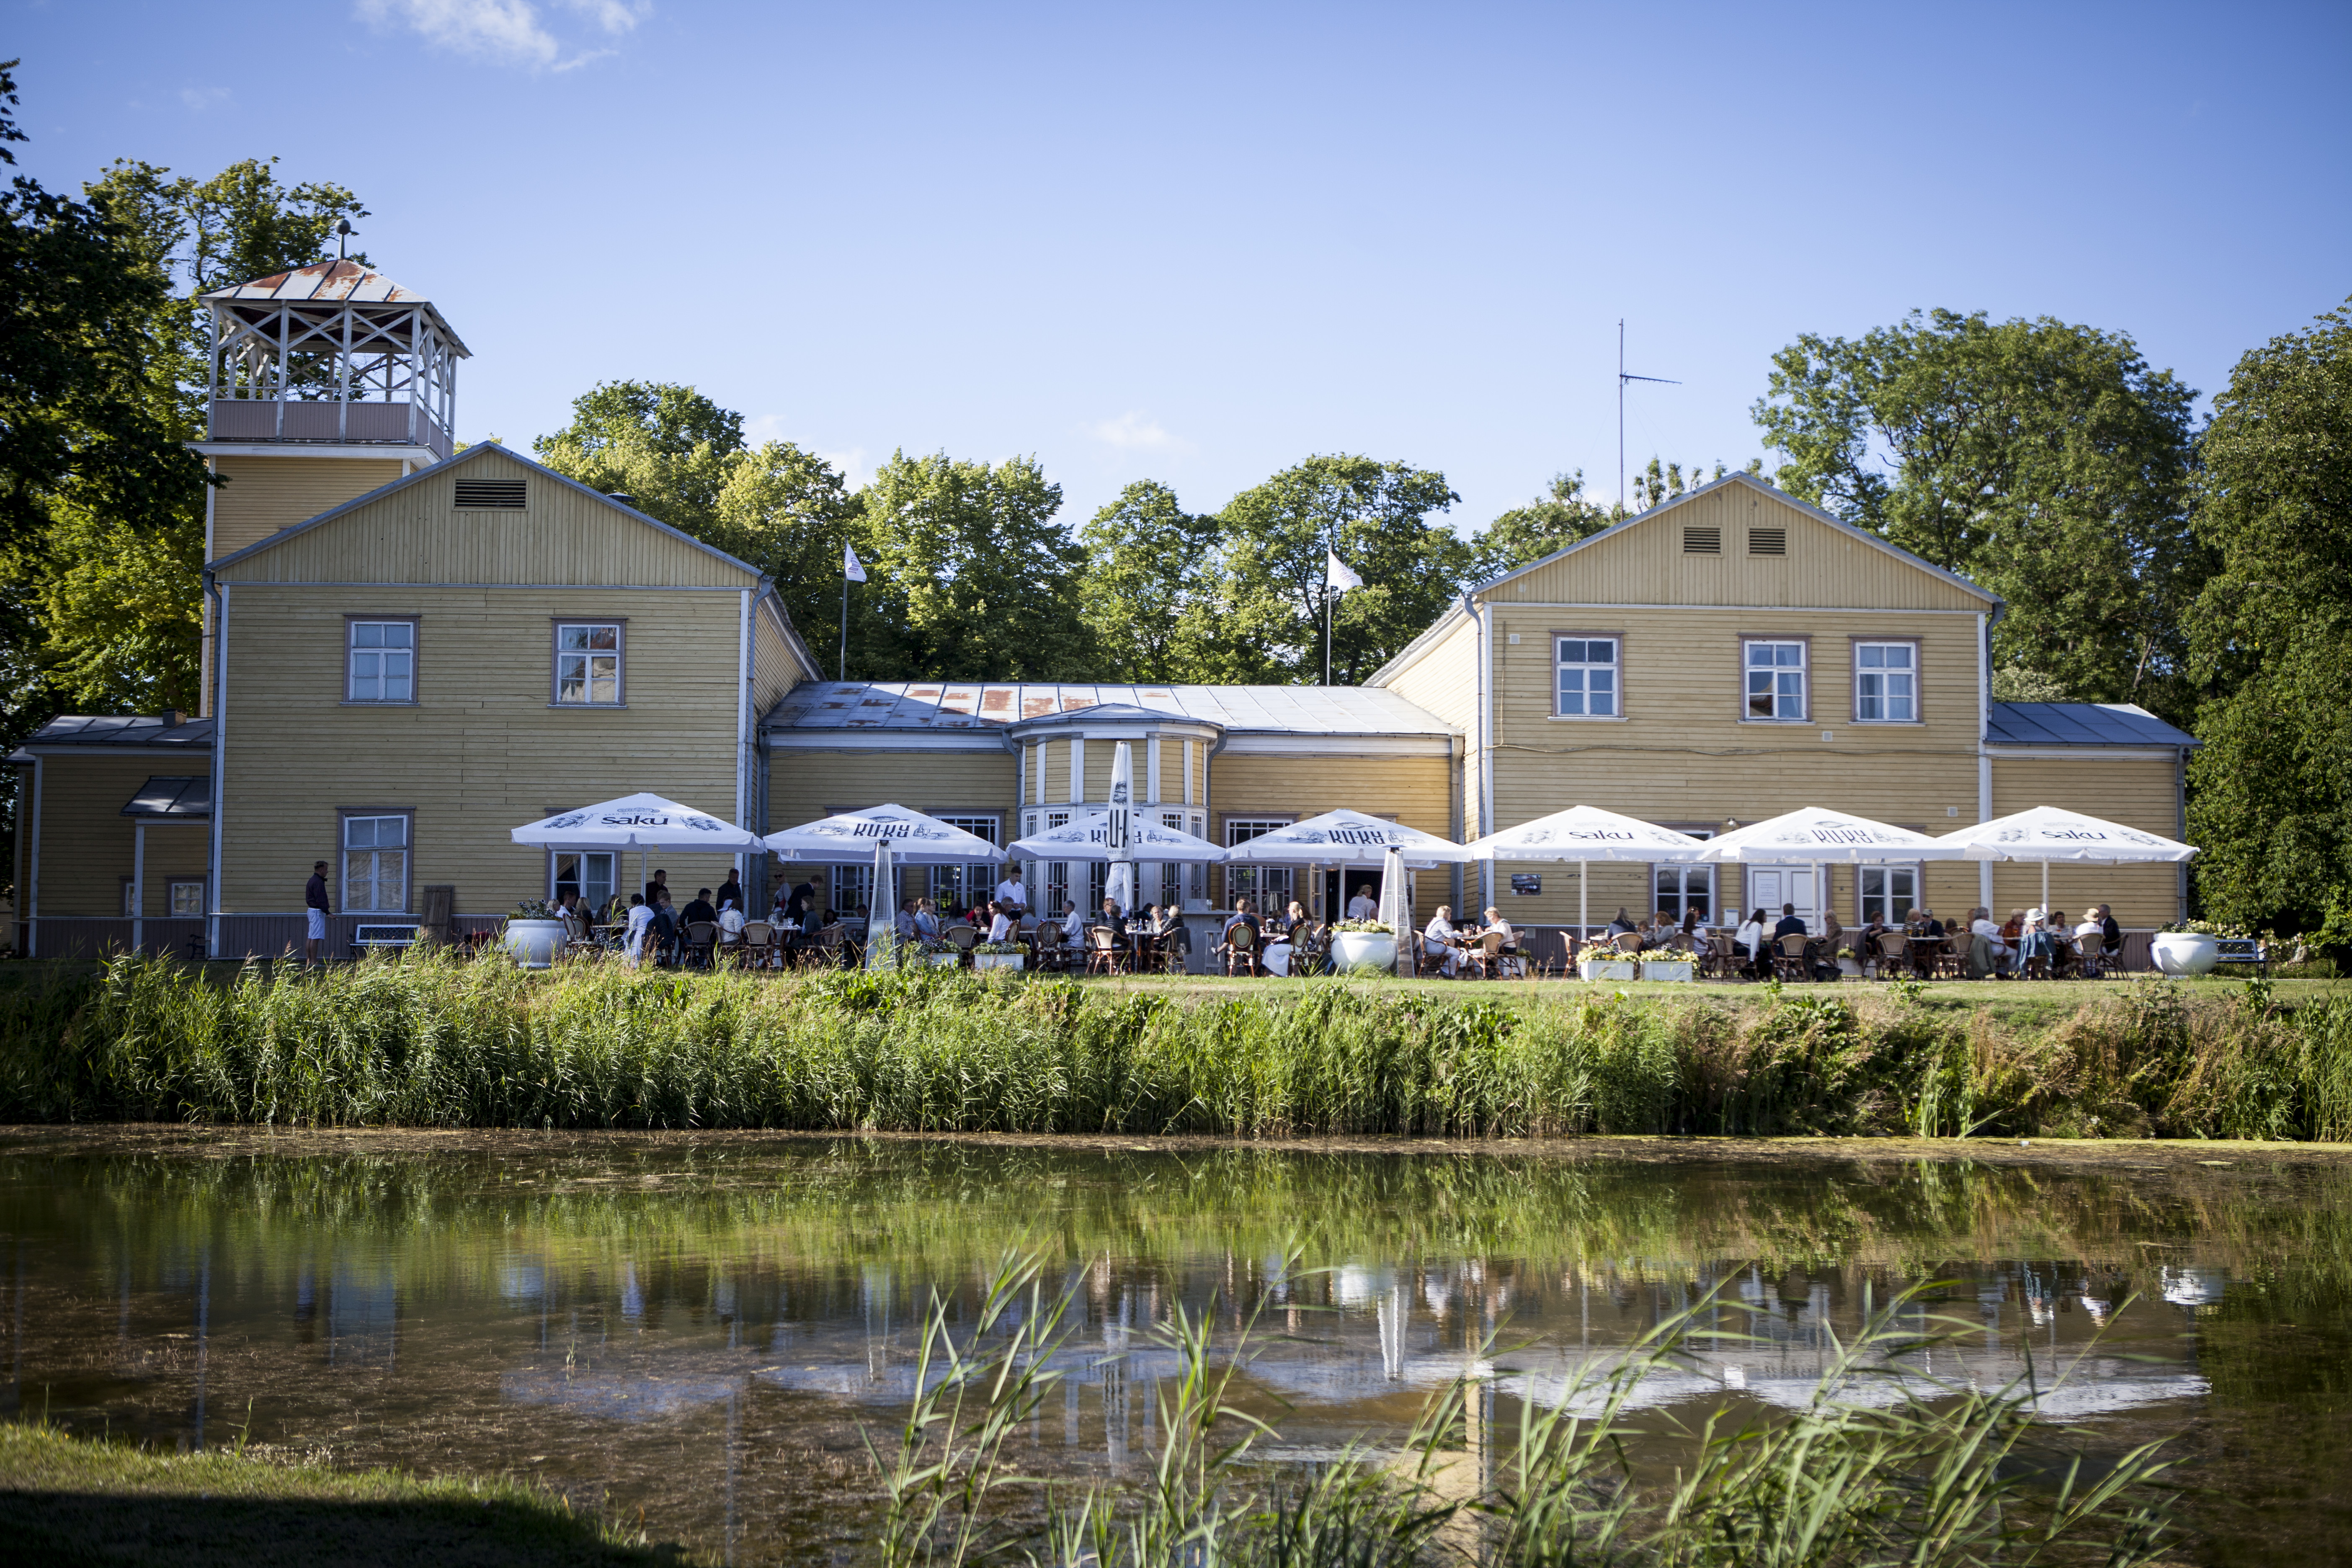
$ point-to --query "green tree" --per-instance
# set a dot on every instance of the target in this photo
(1545, 526)
(2044, 461)
(1270, 599)
(976, 568)
(2272, 807)
(1149, 576)
(789, 513)
(671, 450)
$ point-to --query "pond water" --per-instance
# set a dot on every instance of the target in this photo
(701, 1331)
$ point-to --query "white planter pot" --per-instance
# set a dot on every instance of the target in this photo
(1356, 951)
(1607, 968)
(2185, 952)
(997, 959)
(1851, 968)
(1669, 969)
(534, 943)
(942, 960)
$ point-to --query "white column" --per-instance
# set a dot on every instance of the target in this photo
(1151, 769)
(137, 883)
(1078, 768)
(1189, 799)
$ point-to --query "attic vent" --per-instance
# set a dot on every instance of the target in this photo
(491, 495)
(1702, 542)
(1767, 542)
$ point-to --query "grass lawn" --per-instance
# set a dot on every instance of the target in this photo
(72, 1500)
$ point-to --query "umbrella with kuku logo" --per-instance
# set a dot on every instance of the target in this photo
(850, 837)
(1118, 824)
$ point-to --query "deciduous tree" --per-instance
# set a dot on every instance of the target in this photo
(1545, 526)
(1148, 602)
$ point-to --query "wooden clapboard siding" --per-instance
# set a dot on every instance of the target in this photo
(1416, 791)
(2138, 792)
(86, 841)
(265, 494)
(480, 751)
(1642, 562)
(565, 535)
(1442, 678)
(774, 669)
(804, 785)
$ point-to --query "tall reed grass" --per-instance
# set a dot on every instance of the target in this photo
(434, 1041)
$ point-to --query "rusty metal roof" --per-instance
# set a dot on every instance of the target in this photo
(334, 283)
(936, 705)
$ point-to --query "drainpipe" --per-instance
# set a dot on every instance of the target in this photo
(1985, 622)
(1486, 615)
(220, 736)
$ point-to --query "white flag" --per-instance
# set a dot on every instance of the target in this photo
(1337, 575)
(850, 569)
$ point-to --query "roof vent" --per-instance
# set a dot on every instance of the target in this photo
(1702, 541)
(1767, 542)
(491, 495)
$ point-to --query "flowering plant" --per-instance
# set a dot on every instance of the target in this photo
(536, 909)
(1000, 947)
(1365, 928)
(2207, 928)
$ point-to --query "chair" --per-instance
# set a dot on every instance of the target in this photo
(1949, 960)
(1788, 957)
(1103, 954)
(1891, 956)
(701, 936)
(962, 936)
(1241, 950)
(2090, 958)
(754, 945)
(1718, 958)
(828, 950)
(1486, 956)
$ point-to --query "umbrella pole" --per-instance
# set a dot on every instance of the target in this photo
(2045, 887)
(1583, 903)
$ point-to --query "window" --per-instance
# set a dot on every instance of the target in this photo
(1776, 680)
(591, 875)
(1885, 682)
(375, 863)
(1697, 541)
(1685, 890)
(1888, 893)
(961, 887)
(1767, 542)
(588, 664)
(188, 899)
(1587, 677)
(383, 661)
(1268, 886)
(129, 904)
(1057, 872)
(1171, 872)
(492, 495)
(851, 889)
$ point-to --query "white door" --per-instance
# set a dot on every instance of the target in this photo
(1770, 887)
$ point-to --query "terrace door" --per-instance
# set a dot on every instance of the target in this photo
(1342, 887)
(1770, 887)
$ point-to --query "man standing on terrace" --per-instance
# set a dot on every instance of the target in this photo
(315, 912)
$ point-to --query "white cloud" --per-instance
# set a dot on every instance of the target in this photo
(854, 470)
(199, 99)
(1136, 432)
(508, 32)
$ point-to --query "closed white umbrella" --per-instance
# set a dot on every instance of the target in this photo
(1118, 886)
(2046, 833)
(915, 839)
(882, 909)
(640, 822)
(1585, 834)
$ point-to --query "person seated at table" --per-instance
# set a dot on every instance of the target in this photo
(1657, 930)
(568, 910)
(1749, 940)
(2060, 938)
(999, 924)
(1790, 923)
(1822, 952)
(1507, 956)
(1689, 929)
(905, 921)
(730, 919)
(2091, 937)
(1623, 924)
(1981, 925)
(1363, 906)
(641, 922)
(1112, 917)
(927, 921)
(2012, 930)
(699, 908)
(1437, 939)
(2112, 944)
(2032, 937)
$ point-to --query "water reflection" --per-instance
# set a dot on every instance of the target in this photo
(703, 1333)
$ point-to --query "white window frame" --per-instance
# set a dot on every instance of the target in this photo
(581, 877)
(975, 881)
(375, 850)
(619, 652)
(352, 652)
(176, 886)
(1749, 669)
(1886, 876)
(1683, 874)
(1884, 675)
(1614, 667)
(1257, 879)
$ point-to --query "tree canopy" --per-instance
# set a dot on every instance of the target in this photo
(2272, 632)
(2044, 461)
(1545, 526)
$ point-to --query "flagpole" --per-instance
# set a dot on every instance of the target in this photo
(841, 672)
(1327, 628)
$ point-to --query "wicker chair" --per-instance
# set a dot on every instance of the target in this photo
(1240, 950)
(1891, 956)
(701, 936)
(1104, 954)
(1718, 958)
(963, 938)
(1788, 957)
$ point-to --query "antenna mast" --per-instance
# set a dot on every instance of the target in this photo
(1623, 509)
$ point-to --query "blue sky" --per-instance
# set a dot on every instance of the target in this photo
(1198, 243)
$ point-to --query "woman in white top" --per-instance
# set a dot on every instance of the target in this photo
(1980, 923)
(1437, 941)
(1750, 939)
(641, 920)
(999, 929)
(1363, 906)
(730, 918)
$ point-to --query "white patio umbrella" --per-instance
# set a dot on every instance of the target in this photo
(1585, 834)
(1119, 885)
(915, 839)
(1087, 836)
(2046, 833)
(882, 909)
(1815, 836)
(1347, 838)
(640, 822)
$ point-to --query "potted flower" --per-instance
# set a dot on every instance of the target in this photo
(533, 934)
(999, 956)
(939, 954)
(2190, 947)
(1364, 945)
(1849, 962)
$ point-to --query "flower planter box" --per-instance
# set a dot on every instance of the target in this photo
(997, 959)
(1608, 969)
(1681, 969)
(534, 944)
(1362, 952)
(1851, 968)
(940, 960)
(2185, 952)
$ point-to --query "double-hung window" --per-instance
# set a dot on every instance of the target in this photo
(1586, 676)
(1269, 885)
(380, 663)
(1888, 893)
(1885, 682)
(375, 864)
(1776, 680)
(588, 664)
(961, 887)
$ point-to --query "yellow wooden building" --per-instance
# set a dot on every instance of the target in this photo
(411, 649)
